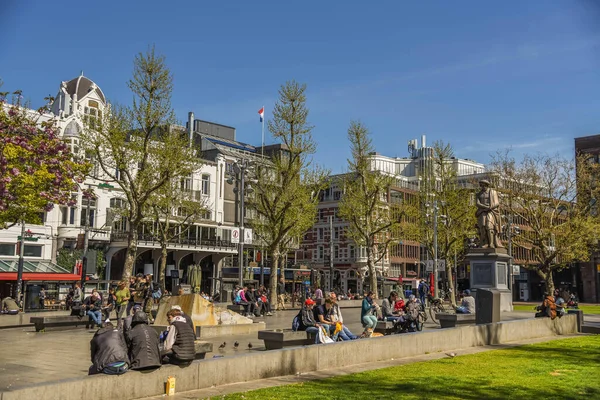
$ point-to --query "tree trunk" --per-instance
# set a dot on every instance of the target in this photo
(273, 277)
(132, 241)
(451, 283)
(549, 283)
(162, 267)
(372, 274)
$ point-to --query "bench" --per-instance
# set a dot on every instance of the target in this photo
(236, 308)
(202, 348)
(384, 327)
(42, 323)
(280, 338)
(451, 320)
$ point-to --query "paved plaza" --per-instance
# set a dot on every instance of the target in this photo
(28, 357)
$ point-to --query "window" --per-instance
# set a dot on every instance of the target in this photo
(321, 234)
(321, 253)
(352, 253)
(336, 232)
(321, 214)
(337, 195)
(336, 252)
(206, 184)
(117, 202)
(32, 251)
(186, 184)
(7, 249)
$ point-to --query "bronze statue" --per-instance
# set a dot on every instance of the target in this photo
(488, 216)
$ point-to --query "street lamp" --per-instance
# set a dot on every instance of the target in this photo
(240, 169)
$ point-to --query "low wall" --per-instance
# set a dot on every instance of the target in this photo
(289, 361)
(22, 319)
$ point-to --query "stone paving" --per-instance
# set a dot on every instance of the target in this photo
(27, 357)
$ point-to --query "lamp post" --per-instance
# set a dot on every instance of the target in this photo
(20, 265)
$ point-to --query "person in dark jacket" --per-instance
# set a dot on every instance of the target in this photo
(93, 306)
(109, 352)
(307, 319)
(127, 321)
(188, 319)
(179, 345)
(142, 343)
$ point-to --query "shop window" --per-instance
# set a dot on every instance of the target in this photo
(32, 251)
(7, 249)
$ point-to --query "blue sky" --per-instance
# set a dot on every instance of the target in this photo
(480, 75)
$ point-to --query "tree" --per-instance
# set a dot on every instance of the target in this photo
(286, 194)
(174, 207)
(456, 212)
(132, 144)
(375, 223)
(37, 169)
(558, 221)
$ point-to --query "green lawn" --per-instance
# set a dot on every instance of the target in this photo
(560, 369)
(586, 309)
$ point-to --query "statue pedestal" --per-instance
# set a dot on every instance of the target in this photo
(489, 270)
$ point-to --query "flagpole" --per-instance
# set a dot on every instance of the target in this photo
(262, 148)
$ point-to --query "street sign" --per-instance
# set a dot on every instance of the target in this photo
(516, 270)
(429, 266)
(235, 235)
(441, 265)
(248, 236)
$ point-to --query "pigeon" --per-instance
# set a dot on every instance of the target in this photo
(236, 345)
(250, 346)
(223, 345)
(451, 355)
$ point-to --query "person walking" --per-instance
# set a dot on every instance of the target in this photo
(42, 298)
(131, 302)
(423, 289)
(280, 295)
(77, 295)
(122, 298)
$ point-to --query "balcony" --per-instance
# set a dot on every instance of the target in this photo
(149, 240)
(71, 232)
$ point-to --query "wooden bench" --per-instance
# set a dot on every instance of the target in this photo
(42, 323)
(280, 338)
(202, 348)
(384, 327)
(448, 320)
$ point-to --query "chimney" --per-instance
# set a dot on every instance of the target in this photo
(191, 126)
(423, 143)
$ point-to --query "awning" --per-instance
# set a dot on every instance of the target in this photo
(33, 276)
(42, 270)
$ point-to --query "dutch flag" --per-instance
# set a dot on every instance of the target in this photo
(261, 112)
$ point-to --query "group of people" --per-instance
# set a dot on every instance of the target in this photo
(135, 345)
(552, 306)
(255, 302)
(326, 317)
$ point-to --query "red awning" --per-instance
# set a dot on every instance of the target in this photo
(39, 276)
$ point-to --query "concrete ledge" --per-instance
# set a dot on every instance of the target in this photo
(448, 320)
(280, 338)
(289, 361)
(384, 327)
(212, 331)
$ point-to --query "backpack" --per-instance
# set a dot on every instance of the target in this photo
(296, 322)
(156, 294)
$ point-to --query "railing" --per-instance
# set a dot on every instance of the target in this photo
(145, 237)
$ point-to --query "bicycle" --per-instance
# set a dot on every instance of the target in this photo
(435, 306)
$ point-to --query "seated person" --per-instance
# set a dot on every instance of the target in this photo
(188, 319)
(307, 319)
(548, 308)
(9, 306)
(93, 305)
(336, 316)
(323, 316)
(252, 301)
(467, 305)
(178, 347)
(368, 308)
(126, 326)
(412, 309)
(560, 306)
(142, 343)
(240, 298)
(109, 352)
(388, 311)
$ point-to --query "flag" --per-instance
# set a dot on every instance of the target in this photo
(261, 112)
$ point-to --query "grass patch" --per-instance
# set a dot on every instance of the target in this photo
(560, 369)
(585, 309)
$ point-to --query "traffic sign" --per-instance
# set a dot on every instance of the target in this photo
(235, 235)
(248, 236)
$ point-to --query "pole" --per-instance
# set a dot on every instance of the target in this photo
(20, 266)
(262, 266)
(330, 253)
(262, 147)
(510, 275)
(242, 237)
(435, 249)
(86, 237)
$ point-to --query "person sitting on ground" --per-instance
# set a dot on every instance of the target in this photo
(179, 346)
(93, 305)
(9, 306)
(387, 308)
(109, 352)
(336, 316)
(307, 319)
(467, 305)
(548, 307)
(188, 319)
(367, 317)
(142, 343)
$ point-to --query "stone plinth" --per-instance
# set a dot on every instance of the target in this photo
(489, 270)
